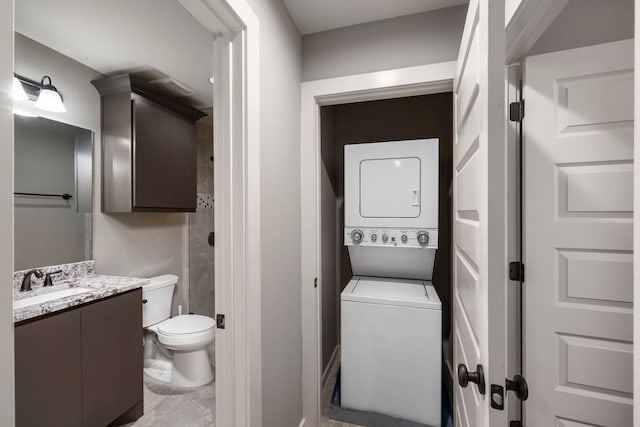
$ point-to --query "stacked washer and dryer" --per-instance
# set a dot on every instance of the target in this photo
(391, 314)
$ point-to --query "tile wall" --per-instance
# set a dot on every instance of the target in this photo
(201, 257)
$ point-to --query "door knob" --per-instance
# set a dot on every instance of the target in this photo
(465, 377)
(519, 386)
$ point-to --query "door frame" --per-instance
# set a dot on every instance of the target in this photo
(529, 21)
(396, 83)
(636, 224)
(513, 247)
(236, 100)
(7, 408)
(238, 350)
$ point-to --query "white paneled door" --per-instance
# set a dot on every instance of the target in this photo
(480, 270)
(578, 221)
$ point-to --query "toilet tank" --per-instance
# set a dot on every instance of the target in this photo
(157, 296)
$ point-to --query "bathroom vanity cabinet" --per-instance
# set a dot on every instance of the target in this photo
(149, 148)
(81, 367)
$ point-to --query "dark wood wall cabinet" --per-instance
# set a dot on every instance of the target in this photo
(149, 149)
(81, 367)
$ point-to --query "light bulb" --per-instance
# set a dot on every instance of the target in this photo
(18, 91)
(50, 100)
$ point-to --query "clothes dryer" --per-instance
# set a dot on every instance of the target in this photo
(391, 207)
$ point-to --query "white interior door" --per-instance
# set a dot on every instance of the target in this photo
(480, 270)
(578, 223)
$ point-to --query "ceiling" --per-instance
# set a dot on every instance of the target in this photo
(156, 38)
(312, 16)
(159, 38)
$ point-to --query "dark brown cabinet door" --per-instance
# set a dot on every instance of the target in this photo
(164, 161)
(111, 358)
(184, 163)
(47, 368)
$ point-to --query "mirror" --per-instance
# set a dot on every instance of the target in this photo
(53, 190)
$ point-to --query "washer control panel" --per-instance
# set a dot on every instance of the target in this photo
(391, 237)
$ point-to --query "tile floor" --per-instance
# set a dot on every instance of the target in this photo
(166, 406)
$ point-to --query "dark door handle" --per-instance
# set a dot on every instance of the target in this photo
(519, 386)
(465, 377)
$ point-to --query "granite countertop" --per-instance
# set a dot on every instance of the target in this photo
(97, 286)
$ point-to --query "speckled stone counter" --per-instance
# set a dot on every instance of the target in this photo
(77, 275)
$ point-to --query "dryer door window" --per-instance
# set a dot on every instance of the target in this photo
(390, 188)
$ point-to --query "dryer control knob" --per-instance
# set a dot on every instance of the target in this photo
(374, 237)
(356, 236)
(423, 238)
(404, 238)
(385, 238)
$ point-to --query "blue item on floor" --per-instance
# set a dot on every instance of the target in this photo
(373, 419)
(447, 410)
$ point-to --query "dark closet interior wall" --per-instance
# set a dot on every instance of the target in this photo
(330, 204)
(417, 117)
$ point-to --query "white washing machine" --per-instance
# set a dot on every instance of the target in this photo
(391, 359)
(391, 315)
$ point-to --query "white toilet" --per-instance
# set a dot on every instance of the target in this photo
(175, 348)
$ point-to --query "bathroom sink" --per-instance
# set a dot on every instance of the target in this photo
(39, 299)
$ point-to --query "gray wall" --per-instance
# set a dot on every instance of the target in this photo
(7, 415)
(281, 340)
(406, 41)
(137, 244)
(34, 60)
(585, 23)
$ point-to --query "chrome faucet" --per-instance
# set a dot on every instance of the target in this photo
(26, 280)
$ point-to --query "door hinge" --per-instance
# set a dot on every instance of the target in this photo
(220, 321)
(516, 271)
(211, 239)
(515, 423)
(315, 282)
(516, 111)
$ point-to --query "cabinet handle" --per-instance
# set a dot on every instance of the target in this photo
(144, 301)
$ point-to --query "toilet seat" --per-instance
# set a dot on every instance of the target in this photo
(186, 332)
(186, 324)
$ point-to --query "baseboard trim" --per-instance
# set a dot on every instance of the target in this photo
(332, 362)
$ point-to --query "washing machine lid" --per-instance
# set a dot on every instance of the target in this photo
(398, 292)
(186, 324)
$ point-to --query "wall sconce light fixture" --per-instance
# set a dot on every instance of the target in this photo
(45, 95)
(49, 98)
